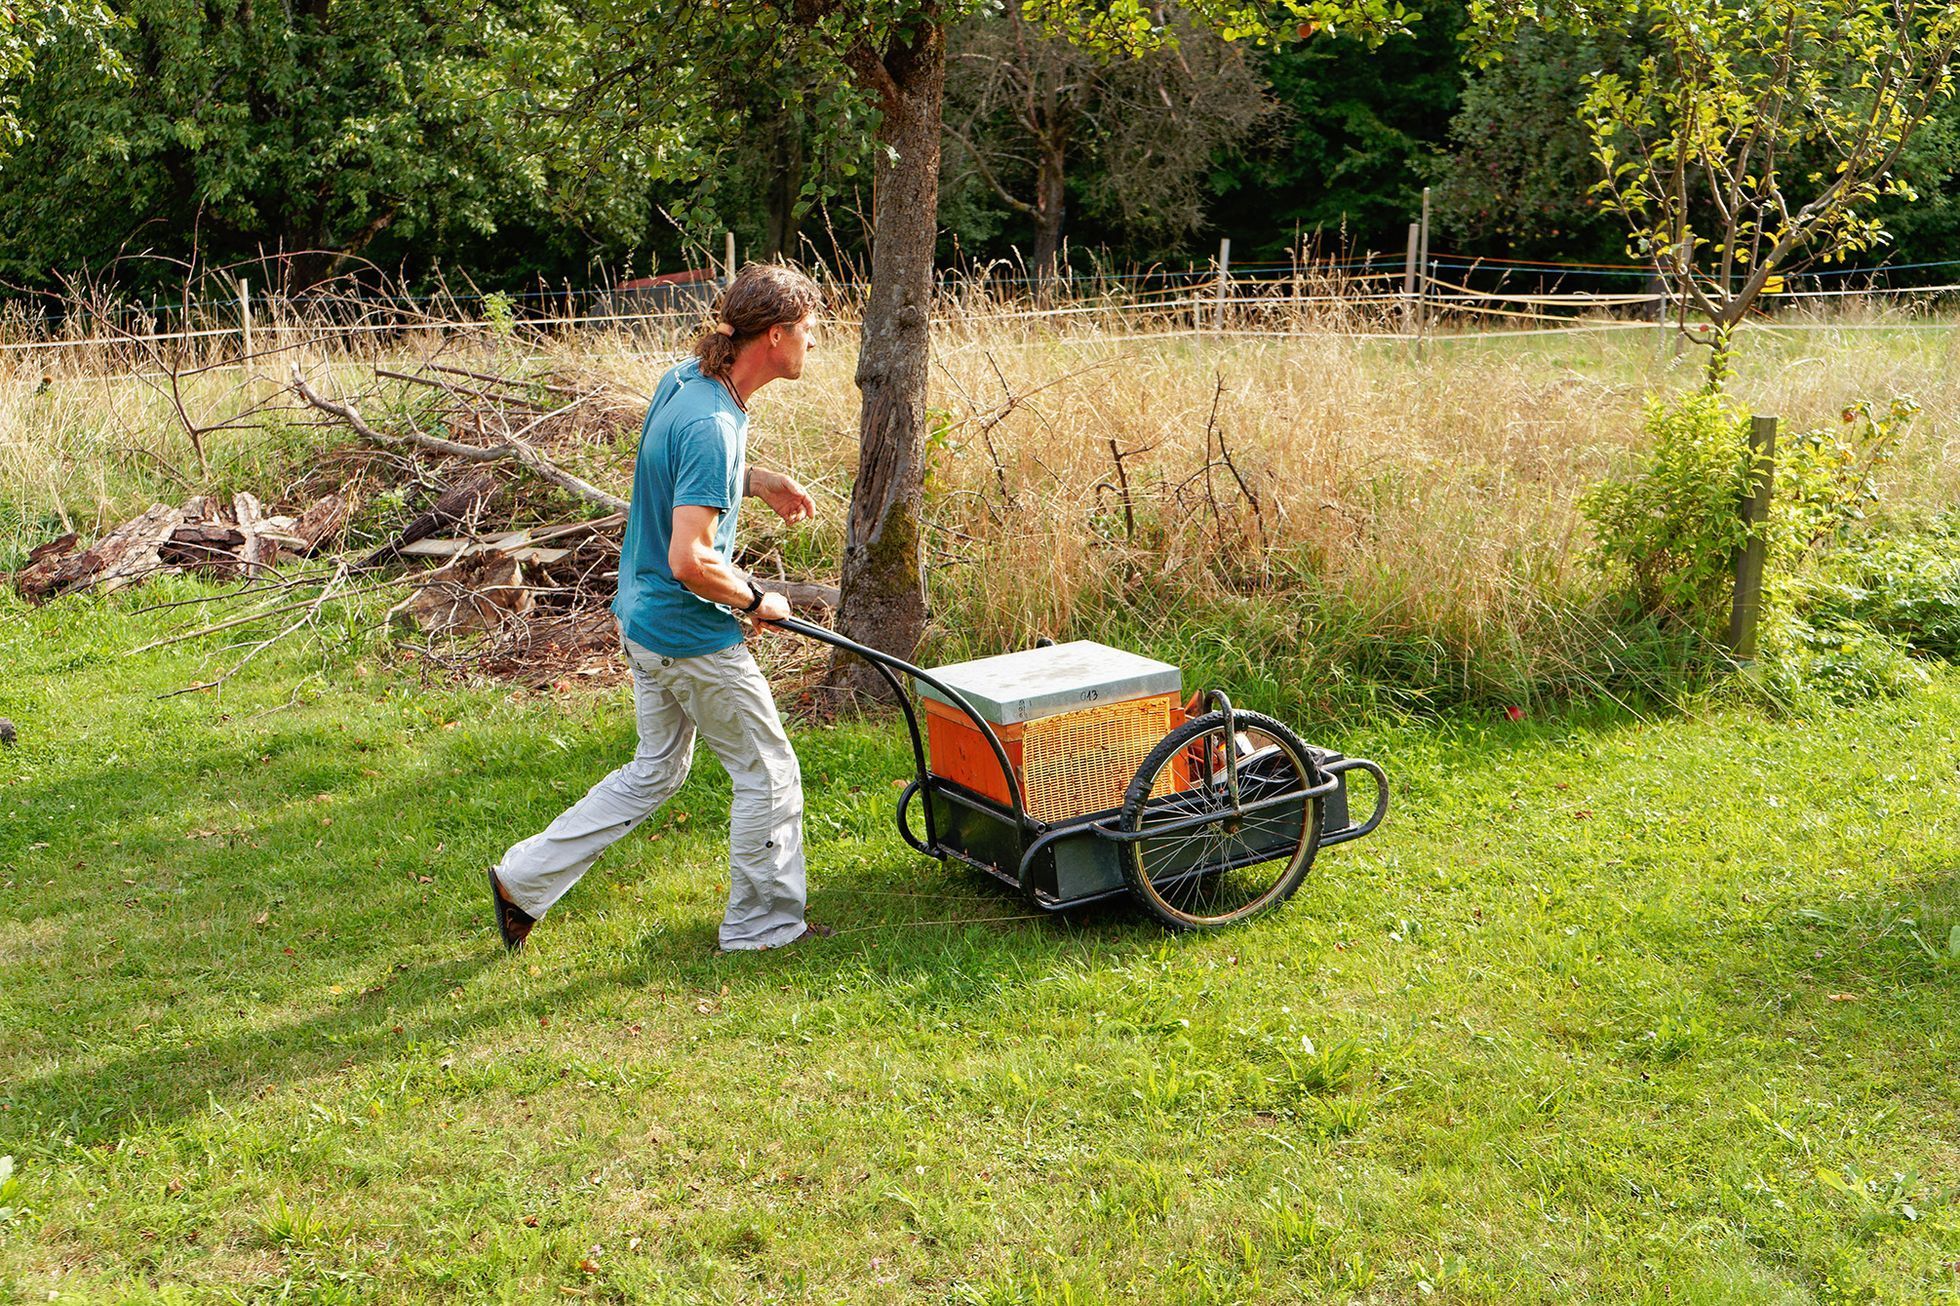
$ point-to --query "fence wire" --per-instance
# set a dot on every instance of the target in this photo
(1237, 304)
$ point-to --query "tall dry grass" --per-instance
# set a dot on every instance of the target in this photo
(1296, 502)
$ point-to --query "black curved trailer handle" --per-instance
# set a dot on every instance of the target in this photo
(1336, 770)
(905, 798)
(887, 664)
(1216, 701)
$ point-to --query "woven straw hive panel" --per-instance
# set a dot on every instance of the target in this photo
(1080, 762)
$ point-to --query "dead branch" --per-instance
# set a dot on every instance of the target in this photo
(306, 618)
(313, 604)
(454, 388)
(1258, 512)
(246, 589)
(1211, 423)
(1123, 489)
(577, 527)
(498, 380)
(511, 450)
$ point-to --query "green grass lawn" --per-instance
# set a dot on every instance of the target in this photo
(1610, 1010)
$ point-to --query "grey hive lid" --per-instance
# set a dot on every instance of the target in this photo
(1038, 682)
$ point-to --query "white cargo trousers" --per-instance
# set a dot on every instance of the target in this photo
(724, 699)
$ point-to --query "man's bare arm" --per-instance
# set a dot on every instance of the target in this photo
(696, 563)
(789, 499)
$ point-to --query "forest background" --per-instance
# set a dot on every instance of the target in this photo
(369, 132)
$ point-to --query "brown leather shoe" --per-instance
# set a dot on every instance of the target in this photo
(512, 923)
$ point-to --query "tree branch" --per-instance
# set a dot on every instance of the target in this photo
(1007, 197)
(511, 450)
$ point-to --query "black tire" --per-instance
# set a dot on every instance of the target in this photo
(1228, 871)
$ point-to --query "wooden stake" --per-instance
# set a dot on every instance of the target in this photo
(728, 261)
(1409, 281)
(1750, 560)
(1224, 280)
(245, 320)
(1422, 287)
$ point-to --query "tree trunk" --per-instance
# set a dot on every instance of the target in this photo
(883, 600)
(1050, 208)
(785, 189)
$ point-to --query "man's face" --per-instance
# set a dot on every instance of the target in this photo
(788, 345)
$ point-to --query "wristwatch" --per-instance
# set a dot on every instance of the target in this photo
(755, 602)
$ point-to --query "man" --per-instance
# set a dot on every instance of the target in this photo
(677, 605)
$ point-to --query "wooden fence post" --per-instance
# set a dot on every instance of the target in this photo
(1409, 282)
(1424, 272)
(1750, 560)
(1224, 280)
(728, 263)
(245, 321)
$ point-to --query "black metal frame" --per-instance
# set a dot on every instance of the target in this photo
(1033, 837)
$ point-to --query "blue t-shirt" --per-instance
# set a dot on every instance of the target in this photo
(692, 450)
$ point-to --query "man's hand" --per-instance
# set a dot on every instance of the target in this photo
(774, 608)
(791, 501)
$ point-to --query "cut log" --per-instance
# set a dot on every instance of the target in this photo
(128, 555)
(54, 548)
(454, 504)
(323, 521)
(264, 535)
(477, 592)
(260, 552)
(125, 556)
(509, 542)
(35, 581)
(209, 548)
(205, 536)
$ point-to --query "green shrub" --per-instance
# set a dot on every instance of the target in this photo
(1844, 606)
(1825, 479)
(1670, 534)
(500, 311)
(1835, 659)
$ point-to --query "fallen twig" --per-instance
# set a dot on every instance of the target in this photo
(451, 387)
(263, 613)
(312, 611)
(500, 380)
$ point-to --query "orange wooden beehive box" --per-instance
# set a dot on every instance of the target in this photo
(1075, 720)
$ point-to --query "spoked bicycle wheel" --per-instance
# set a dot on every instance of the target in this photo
(1201, 861)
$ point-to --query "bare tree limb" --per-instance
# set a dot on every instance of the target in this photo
(511, 450)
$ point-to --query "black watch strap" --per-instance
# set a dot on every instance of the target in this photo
(756, 601)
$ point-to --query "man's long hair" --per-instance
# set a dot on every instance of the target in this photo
(762, 295)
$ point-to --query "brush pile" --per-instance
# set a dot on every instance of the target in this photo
(495, 570)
